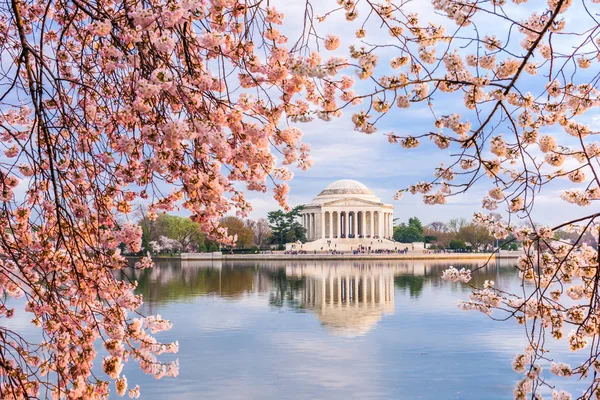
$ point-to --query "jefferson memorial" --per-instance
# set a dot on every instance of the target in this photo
(347, 215)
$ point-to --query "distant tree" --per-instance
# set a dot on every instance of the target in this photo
(429, 238)
(512, 246)
(438, 226)
(440, 232)
(165, 244)
(296, 233)
(236, 226)
(416, 222)
(573, 237)
(212, 247)
(476, 235)
(457, 244)
(455, 224)
(182, 229)
(261, 231)
(147, 225)
(284, 226)
(413, 232)
(508, 243)
(146, 239)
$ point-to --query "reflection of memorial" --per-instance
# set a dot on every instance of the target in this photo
(349, 300)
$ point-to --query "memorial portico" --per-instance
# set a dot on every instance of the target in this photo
(348, 299)
(347, 209)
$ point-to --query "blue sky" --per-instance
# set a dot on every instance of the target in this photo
(339, 152)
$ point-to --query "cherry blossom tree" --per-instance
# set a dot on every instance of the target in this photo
(183, 104)
(165, 244)
(108, 103)
(510, 87)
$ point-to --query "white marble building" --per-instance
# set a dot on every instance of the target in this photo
(347, 209)
(347, 215)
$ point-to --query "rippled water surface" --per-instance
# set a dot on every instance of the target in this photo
(328, 330)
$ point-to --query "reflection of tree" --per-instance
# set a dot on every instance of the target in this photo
(414, 284)
(501, 274)
(168, 281)
(286, 291)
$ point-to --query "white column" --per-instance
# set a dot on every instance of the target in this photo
(391, 225)
(387, 221)
(347, 224)
(363, 223)
(322, 224)
(371, 230)
(330, 225)
(314, 225)
(307, 226)
(386, 225)
(339, 224)
(355, 223)
(375, 221)
(380, 224)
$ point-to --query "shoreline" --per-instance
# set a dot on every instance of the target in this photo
(292, 257)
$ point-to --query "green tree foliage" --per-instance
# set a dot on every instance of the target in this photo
(416, 223)
(413, 284)
(477, 236)
(459, 229)
(182, 229)
(296, 233)
(212, 247)
(284, 226)
(236, 226)
(430, 238)
(413, 232)
(456, 244)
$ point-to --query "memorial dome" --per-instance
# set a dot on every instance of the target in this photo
(345, 188)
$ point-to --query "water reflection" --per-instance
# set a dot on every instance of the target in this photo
(324, 329)
(348, 298)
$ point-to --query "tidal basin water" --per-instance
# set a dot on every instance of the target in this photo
(328, 330)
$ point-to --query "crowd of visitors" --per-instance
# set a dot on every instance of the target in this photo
(369, 250)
